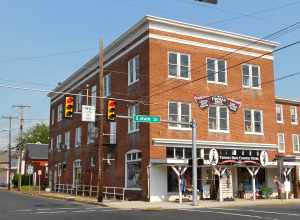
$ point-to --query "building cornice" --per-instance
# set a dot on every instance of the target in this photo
(287, 101)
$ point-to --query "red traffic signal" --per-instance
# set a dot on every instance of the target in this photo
(111, 110)
(69, 106)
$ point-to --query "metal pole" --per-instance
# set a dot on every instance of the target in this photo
(194, 157)
(9, 154)
(39, 183)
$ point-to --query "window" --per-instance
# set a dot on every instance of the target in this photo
(67, 140)
(216, 71)
(58, 142)
(78, 102)
(78, 137)
(179, 153)
(133, 70)
(133, 126)
(133, 169)
(294, 115)
(253, 121)
(179, 112)
(279, 113)
(52, 116)
(59, 112)
(179, 65)
(218, 119)
(107, 85)
(251, 76)
(94, 95)
(281, 142)
(91, 132)
(295, 138)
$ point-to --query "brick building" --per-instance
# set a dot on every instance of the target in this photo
(180, 72)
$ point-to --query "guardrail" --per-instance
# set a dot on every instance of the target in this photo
(91, 191)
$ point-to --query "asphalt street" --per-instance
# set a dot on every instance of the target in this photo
(17, 206)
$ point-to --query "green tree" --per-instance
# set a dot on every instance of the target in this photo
(37, 133)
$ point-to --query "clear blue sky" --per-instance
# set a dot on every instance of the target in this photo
(37, 28)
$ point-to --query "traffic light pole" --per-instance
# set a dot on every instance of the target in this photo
(194, 163)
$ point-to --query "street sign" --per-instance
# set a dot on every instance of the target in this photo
(146, 118)
(30, 170)
(88, 113)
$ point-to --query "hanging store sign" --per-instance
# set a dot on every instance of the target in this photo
(206, 101)
(213, 157)
(264, 158)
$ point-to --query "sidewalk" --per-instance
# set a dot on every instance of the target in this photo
(141, 205)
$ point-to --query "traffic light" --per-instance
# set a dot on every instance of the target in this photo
(111, 110)
(209, 1)
(69, 106)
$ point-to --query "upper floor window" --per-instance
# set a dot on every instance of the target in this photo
(218, 119)
(93, 95)
(78, 102)
(67, 140)
(251, 76)
(133, 70)
(295, 138)
(78, 137)
(279, 113)
(179, 65)
(294, 115)
(216, 71)
(281, 142)
(107, 85)
(179, 112)
(59, 112)
(253, 121)
(58, 142)
(132, 125)
(52, 116)
(91, 132)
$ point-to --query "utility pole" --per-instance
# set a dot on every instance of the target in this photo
(101, 120)
(21, 117)
(194, 163)
(10, 118)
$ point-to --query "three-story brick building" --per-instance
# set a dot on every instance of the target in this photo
(180, 72)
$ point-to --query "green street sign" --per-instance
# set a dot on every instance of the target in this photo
(146, 118)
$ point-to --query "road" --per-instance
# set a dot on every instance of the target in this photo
(15, 206)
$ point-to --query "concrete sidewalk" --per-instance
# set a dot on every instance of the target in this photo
(141, 205)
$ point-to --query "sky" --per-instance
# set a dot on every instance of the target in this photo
(43, 42)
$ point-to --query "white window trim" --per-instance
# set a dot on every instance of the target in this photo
(281, 110)
(217, 68)
(67, 134)
(77, 144)
(178, 66)
(137, 125)
(298, 151)
(279, 150)
(252, 122)
(94, 95)
(52, 116)
(218, 121)
(58, 142)
(179, 115)
(250, 77)
(296, 115)
(106, 88)
(135, 79)
(59, 112)
(126, 168)
(78, 102)
(91, 139)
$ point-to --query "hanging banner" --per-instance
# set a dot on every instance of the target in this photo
(206, 101)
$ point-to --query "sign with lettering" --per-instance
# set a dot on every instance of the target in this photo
(88, 113)
(206, 101)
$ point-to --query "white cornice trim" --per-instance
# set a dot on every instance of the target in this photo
(216, 144)
(289, 101)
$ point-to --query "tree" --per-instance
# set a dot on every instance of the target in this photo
(37, 133)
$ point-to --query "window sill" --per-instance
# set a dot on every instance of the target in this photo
(254, 133)
(179, 77)
(281, 151)
(133, 131)
(218, 131)
(133, 82)
(217, 83)
(133, 189)
(280, 122)
(252, 88)
(180, 129)
(294, 123)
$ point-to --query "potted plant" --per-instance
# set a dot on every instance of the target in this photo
(266, 192)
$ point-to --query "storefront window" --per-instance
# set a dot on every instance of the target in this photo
(133, 169)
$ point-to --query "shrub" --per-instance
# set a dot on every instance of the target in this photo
(25, 180)
(266, 192)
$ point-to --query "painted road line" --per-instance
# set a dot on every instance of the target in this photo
(258, 211)
(84, 211)
(224, 213)
(49, 212)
